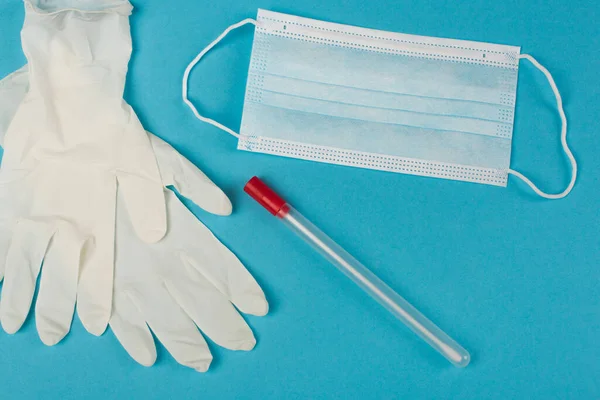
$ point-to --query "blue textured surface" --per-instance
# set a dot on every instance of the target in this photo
(512, 277)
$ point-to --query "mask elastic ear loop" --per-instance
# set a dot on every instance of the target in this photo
(186, 75)
(563, 137)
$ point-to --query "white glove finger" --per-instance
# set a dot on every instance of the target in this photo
(175, 330)
(145, 202)
(140, 181)
(28, 245)
(95, 290)
(13, 198)
(211, 310)
(129, 326)
(12, 91)
(95, 287)
(55, 303)
(215, 261)
(219, 265)
(178, 171)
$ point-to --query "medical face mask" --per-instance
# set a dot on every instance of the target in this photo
(386, 101)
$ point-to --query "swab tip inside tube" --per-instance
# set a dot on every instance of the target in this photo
(459, 357)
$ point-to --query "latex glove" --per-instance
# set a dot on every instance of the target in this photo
(71, 142)
(189, 278)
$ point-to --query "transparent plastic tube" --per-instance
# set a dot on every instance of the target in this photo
(359, 274)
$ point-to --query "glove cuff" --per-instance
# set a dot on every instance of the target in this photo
(122, 7)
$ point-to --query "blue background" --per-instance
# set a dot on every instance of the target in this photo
(512, 277)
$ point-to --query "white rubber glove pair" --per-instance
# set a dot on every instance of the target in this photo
(71, 142)
(68, 143)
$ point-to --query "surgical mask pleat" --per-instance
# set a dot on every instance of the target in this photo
(372, 137)
(269, 83)
(395, 73)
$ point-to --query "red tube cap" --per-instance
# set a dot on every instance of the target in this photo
(264, 195)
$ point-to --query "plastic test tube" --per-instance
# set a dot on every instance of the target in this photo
(354, 270)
